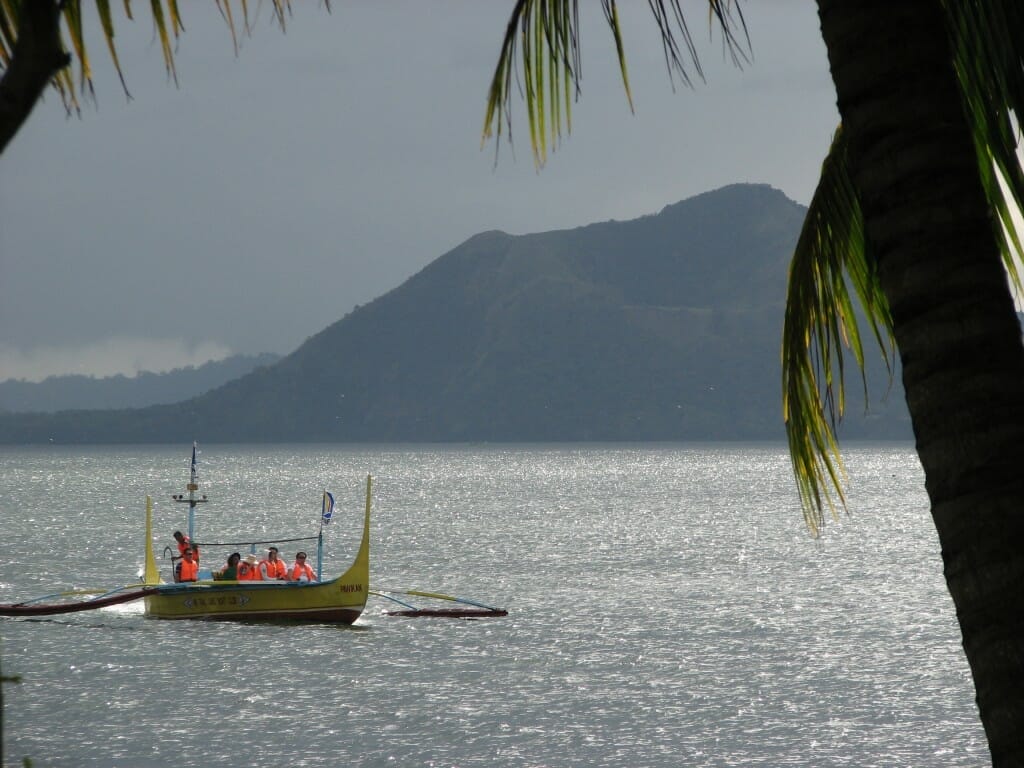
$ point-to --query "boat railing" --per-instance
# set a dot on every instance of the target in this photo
(252, 543)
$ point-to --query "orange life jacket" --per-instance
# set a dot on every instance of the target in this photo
(247, 572)
(189, 570)
(302, 569)
(276, 569)
(183, 545)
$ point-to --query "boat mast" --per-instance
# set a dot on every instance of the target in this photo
(192, 499)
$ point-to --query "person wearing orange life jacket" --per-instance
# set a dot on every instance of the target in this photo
(183, 541)
(301, 570)
(273, 568)
(248, 569)
(189, 566)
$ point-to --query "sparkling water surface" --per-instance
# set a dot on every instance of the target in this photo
(667, 607)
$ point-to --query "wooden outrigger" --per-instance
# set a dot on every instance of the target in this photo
(475, 610)
(37, 607)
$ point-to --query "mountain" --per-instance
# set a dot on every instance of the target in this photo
(59, 393)
(665, 327)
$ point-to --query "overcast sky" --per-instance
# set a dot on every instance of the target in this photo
(271, 192)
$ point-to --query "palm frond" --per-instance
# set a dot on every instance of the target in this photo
(831, 258)
(229, 18)
(167, 21)
(540, 58)
(157, 9)
(73, 21)
(545, 33)
(989, 62)
(282, 9)
(107, 22)
(8, 30)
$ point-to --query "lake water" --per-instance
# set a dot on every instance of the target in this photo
(667, 608)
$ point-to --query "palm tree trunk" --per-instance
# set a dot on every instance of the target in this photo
(38, 55)
(932, 235)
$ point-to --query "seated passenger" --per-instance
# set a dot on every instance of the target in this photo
(273, 568)
(230, 571)
(301, 570)
(248, 569)
(189, 566)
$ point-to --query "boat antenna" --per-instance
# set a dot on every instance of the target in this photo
(192, 499)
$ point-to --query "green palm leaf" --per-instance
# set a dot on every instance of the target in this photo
(167, 20)
(543, 36)
(830, 260)
(989, 62)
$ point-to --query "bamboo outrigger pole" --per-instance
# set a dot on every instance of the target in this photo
(476, 611)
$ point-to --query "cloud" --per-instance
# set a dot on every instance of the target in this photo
(108, 357)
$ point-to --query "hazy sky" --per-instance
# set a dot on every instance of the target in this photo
(271, 192)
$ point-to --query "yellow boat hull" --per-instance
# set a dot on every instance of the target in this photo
(341, 600)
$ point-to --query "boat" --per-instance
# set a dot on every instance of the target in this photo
(340, 600)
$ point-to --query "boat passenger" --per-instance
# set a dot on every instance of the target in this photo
(230, 571)
(273, 568)
(248, 569)
(189, 566)
(183, 542)
(301, 570)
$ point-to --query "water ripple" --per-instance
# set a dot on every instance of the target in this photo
(667, 608)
